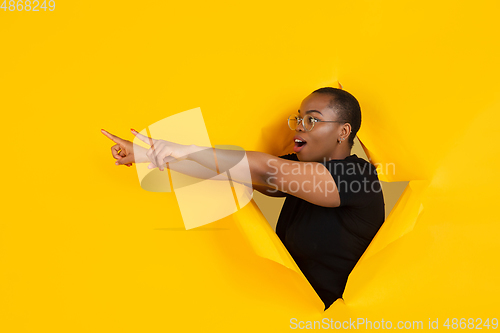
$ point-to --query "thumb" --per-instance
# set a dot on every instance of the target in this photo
(125, 160)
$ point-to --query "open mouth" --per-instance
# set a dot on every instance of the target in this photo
(299, 144)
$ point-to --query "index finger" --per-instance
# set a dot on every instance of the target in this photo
(112, 137)
(146, 139)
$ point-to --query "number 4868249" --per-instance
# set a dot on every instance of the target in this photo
(27, 5)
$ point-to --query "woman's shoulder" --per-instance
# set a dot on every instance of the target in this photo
(355, 163)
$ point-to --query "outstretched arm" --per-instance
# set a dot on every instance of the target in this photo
(310, 181)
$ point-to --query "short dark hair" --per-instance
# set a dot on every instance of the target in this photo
(346, 107)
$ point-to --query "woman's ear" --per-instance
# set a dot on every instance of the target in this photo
(346, 130)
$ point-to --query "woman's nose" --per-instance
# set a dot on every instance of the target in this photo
(300, 126)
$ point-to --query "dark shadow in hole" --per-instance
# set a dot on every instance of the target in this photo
(195, 229)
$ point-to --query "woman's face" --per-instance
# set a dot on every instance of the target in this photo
(321, 141)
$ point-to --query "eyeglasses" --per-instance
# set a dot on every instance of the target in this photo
(308, 122)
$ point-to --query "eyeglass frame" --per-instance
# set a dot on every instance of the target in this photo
(315, 120)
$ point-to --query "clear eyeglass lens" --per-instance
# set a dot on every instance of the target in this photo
(292, 122)
(308, 123)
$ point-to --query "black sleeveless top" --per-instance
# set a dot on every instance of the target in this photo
(325, 242)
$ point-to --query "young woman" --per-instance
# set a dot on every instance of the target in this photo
(334, 204)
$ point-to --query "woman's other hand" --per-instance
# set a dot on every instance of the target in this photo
(162, 151)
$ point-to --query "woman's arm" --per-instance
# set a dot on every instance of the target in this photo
(269, 191)
(310, 181)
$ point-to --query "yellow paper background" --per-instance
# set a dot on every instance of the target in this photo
(83, 248)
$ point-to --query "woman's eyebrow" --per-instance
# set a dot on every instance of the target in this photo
(309, 111)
